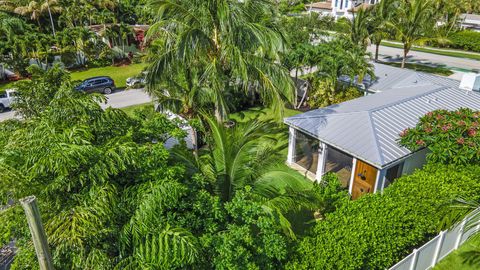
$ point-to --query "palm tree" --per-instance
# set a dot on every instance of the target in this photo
(359, 27)
(413, 23)
(241, 156)
(10, 25)
(232, 43)
(381, 14)
(36, 9)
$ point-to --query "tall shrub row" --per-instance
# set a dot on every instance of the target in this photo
(466, 40)
(378, 230)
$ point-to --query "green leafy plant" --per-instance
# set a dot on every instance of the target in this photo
(451, 136)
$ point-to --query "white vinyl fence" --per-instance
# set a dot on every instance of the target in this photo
(438, 248)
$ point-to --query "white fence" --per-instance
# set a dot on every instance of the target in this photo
(436, 249)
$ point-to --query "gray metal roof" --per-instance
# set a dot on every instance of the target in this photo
(390, 78)
(369, 127)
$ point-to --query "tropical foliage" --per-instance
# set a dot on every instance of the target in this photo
(378, 230)
(451, 136)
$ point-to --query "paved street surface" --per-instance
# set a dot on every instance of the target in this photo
(127, 98)
(118, 99)
(390, 54)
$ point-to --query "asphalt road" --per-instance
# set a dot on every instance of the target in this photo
(118, 99)
(391, 54)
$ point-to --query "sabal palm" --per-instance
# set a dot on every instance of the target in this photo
(231, 43)
(413, 23)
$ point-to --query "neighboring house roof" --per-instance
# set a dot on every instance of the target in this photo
(327, 5)
(391, 78)
(368, 127)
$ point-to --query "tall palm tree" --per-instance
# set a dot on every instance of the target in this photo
(413, 23)
(381, 14)
(36, 9)
(233, 43)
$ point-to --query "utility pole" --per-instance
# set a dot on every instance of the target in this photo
(34, 220)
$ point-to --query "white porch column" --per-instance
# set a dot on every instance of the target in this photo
(379, 185)
(322, 158)
(292, 136)
(352, 176)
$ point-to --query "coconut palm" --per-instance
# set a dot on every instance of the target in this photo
(232, 43)
(36, 9)
(413, 23)
(381, 14)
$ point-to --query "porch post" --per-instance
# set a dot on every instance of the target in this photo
(380, 180)
(352, 176)
(292, 134)
(322, 158)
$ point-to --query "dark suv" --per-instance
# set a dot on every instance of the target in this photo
(101, 84)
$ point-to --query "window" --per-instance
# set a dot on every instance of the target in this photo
(340, 163)
(3, 95)
(392, 174)
(306, 152)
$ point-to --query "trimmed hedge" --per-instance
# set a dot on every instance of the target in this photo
(466, 40)
(378, 230)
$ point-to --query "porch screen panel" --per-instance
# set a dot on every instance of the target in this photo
(306, 152)
(340, 163)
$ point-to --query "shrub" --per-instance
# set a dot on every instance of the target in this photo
(452, 137)
(466, 40)
(378, 230)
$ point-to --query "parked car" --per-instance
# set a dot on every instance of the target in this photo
(101, 84)
(7, 97)
(137, 81)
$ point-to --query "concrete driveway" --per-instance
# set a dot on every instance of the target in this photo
(390, 54)
(119, 99)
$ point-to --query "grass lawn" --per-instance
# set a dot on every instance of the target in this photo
(423, 68)
(454, 261)
(118, 74)
(131, 109)
(4, 86)
(262, 114)
(452, 53)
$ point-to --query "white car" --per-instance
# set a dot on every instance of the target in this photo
(137, 81)
(7, 97)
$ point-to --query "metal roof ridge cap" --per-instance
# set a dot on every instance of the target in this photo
(410, 98)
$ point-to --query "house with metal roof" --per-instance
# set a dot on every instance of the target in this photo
(358, 139)
(392, 78)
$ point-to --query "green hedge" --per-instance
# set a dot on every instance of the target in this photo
(376, 231)
(466, 40)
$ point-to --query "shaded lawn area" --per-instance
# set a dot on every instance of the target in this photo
(455, 260)
(423, 68)
(131, 109)
(118, 74)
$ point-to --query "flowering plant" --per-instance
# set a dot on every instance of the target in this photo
(451, 136)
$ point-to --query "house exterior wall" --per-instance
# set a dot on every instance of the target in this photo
(415, 161)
